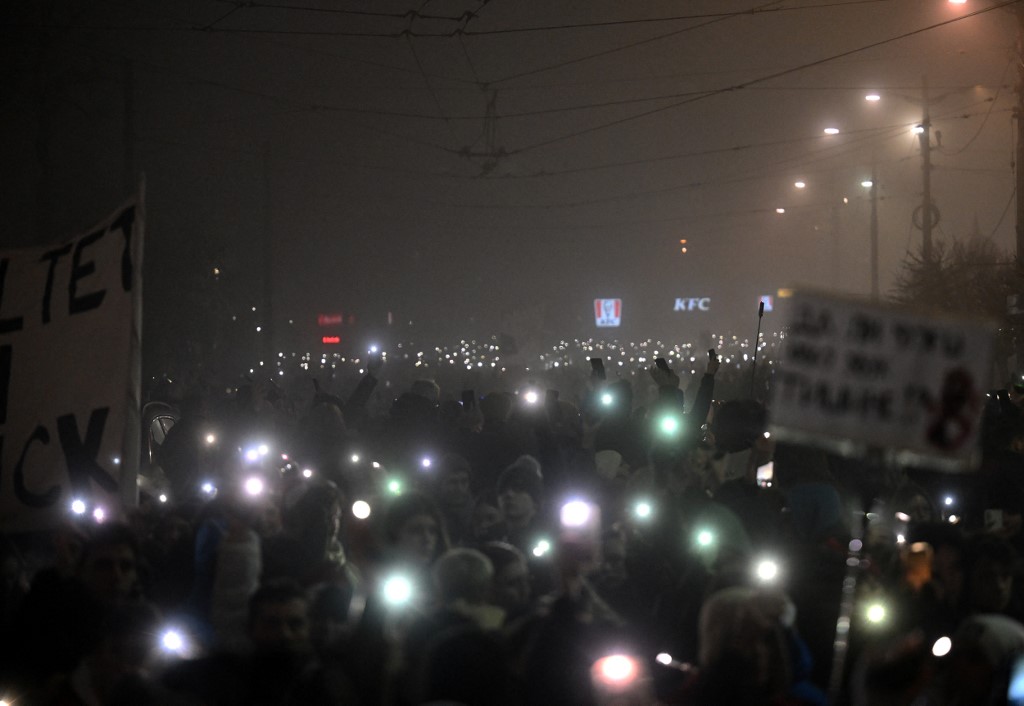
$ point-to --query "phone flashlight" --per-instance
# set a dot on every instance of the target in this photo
(395, 486)
(669, 425)
(875, 613)
(425, 462)
(607, 399)
(254, 486)
(163, 497)
(211, 439)
(664, 658)
(172, 641)
(531, 397)
(208, 488)
(99, 514)
(373, 349)
(766, 570)
(78, 506)
(397, 590)
(943, 646)
(575, 513)
(354, 458)
(705, 538)
(643, 510)
(948, 501)
(360, 509)
(541, 548)
(615, 672)
(307, 472)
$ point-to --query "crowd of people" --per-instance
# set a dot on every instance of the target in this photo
(585, 538)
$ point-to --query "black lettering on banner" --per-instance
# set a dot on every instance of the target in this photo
(78, 304)
(81, 455)
(5, 380)
(953, 345)
(824, 398)
(125, 221)
(810, 322)
(23, 494)
(811, 356)
(864, 329)
(52, 256)
(13, 323)
(866, 365)
(902, 335)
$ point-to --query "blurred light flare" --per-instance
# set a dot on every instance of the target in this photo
(616, 670)
(875, 613)
(254, 486)
(942, 646)
(767, 570)
(575, 513)
(360, 509)
(397, 590)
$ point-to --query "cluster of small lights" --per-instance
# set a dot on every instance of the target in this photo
(631, 357)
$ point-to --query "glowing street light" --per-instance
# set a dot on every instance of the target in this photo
(800, 184)
(831, 131)
(780, 210)
(917, 129)
(872, 98)
(867, 183)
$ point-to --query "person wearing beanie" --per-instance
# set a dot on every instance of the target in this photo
(520, 494)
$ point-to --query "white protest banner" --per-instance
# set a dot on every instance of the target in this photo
(70, 374)
(855, 375)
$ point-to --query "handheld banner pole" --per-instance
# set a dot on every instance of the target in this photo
(757, 345)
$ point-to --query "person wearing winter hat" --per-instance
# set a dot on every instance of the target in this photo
(520, 495)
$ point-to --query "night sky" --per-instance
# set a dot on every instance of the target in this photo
(431, 160)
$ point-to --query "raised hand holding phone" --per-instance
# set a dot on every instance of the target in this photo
(714, 362)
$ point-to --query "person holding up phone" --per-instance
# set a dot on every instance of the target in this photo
(671, 407)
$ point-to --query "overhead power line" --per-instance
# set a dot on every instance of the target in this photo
(455, 32)
(762, 79)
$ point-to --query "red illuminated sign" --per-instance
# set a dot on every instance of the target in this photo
(329, 319)
(331, 339)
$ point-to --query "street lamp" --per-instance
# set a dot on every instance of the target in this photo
(799, 184)
(873, 192)
(831, 131)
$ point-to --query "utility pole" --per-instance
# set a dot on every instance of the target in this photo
(925, 136)
(837, 255)
(874, 235)
(1019, 115)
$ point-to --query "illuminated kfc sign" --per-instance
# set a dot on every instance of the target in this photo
(693, 304)
(607, 312)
